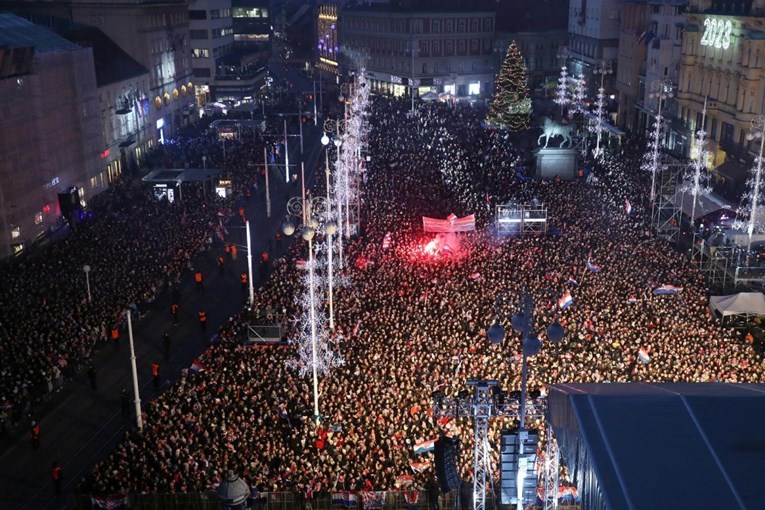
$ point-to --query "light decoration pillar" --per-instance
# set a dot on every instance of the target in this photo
(660, 90)
(697, 179)
(562, 91)
(579, 95)
(600, 107)
(753, 200)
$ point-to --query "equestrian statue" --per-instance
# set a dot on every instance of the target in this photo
(551, 129)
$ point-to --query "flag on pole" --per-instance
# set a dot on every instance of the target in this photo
(573, 282)
(197, 366)
(669, 290)
(592, 267)
(643, 355)
(425, 446)
(565, 300)
(419, 467)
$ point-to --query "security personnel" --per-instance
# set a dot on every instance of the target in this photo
(202, 319)
(244, 279)
(221, 261)
(200, 281)
(233, 252)
(228, 248)
(155, 374)
(115, 334)
(55, 475)
(278, 241)
(174, 312)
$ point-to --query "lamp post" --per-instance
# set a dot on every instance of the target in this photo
(325, 142)
(86, 269)
(316, 357)
(660, 90)
(134, 370)
(603, 69)
(338, 127)
(757, 131)
(523, 323)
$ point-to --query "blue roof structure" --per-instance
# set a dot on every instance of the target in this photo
(646, 446)
(16, 32)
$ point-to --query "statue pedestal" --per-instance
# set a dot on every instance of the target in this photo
(554, 161)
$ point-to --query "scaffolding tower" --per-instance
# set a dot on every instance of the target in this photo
(521, 220)
(482, 407)
(666, 216)
(551, 471)
(718, 263)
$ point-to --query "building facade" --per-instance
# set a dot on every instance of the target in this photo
(51, 129)
(723, 63)
(211, 35)
(631, 64)
(424, 51)
(593, 27)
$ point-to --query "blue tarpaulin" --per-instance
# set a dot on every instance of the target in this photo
(646, 446)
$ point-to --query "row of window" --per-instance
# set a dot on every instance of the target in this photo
(420, 25)
(429, 48)
(199, 14)
(217, 33)
(249, 12)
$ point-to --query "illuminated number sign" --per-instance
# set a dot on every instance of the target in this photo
(717, 33)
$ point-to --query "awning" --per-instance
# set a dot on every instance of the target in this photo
(705, 204)
(127, 143)
(175, 175)
(732, 170)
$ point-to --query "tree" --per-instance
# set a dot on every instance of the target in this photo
(511, 107)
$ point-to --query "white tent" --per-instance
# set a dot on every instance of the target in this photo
(429, 96)
(743, 305)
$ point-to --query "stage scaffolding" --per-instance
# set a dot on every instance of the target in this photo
(666, 216)
(522, 220)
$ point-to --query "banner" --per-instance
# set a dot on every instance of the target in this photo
(373, 500)
(451, 224)
(667, 290)
(643, 356)
(565, 301)
(110, 502)
(419, 467)
(345, 498)
(198, 366)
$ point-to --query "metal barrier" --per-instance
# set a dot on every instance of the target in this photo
(394, 500)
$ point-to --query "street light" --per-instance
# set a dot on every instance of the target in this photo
(523, 323)
(312, 355)
(86, 268)
(603, 69)
(325, 142)
(660, 90)
(338, 127)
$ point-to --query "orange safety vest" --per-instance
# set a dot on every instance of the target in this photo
(198, 277)
(244, 278)
(233, 250)
(36, 432)
(174, 309)
(56, 473)
(115, 333)
(202, 316)
(228, 248)
(155, 369)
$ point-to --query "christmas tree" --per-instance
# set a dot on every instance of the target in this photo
(511, 107)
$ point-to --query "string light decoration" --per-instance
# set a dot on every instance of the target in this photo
(562, 91)
(327, 44)
(697, 178)
(579, 97)
(596, 125)
(660, 90)
(511, 107)
(314, 354)
(753, 201)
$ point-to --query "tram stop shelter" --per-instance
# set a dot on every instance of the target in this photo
(167, 182)
(662, 446)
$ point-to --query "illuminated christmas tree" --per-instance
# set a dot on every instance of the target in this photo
(511, 107)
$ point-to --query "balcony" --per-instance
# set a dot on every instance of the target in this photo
(124, 107)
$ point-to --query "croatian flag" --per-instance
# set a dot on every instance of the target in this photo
(631, 300)
(419, 467)
(373, 500)
(344, 498)
(627, 206)
(573, 282)
(643, 355)
(670, 290)
(425, 446)
(404, 480)
(197, 366)
(565, 300)
(109, 502)
(591, 267)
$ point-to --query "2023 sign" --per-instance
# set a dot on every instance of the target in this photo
(717, 33)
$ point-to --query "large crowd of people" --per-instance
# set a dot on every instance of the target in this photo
(412, 322)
